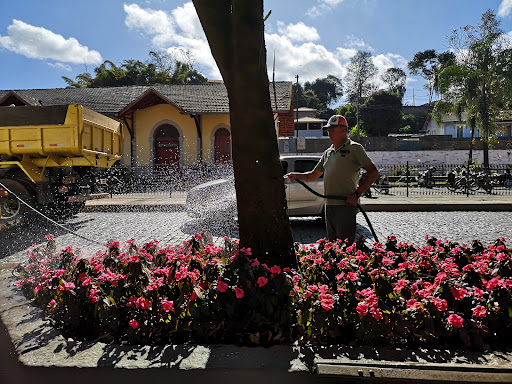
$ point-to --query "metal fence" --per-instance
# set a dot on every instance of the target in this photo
(396, 179)
(443, 179)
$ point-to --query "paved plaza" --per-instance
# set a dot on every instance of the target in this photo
(173, 228)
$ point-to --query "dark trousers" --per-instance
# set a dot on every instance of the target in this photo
(340, 222)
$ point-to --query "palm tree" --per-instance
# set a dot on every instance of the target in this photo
(475, 83)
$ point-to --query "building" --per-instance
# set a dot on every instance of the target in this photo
(307, 123)
(451, 125)
(171, 125)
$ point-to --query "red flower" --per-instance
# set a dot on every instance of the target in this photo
(455, 321)
(362, 309)
(479, 311)
(262, 281)
(239, 293)
(134, 324)
(459, 293)
(222, 286)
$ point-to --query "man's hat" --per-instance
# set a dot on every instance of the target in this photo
(336, 120)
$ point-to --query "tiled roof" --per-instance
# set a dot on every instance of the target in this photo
(192, 98)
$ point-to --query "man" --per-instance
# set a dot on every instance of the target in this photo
(341, 165)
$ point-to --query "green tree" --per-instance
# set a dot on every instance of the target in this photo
(428, 64)
(395, 79)
(359, 80)
(311, 100)
(475, 84)
(161, 69)
(235, 33)
(382, 113)
(328, 90)
(350, 113)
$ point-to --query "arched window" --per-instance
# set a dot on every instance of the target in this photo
(222, 146)
(167, 146)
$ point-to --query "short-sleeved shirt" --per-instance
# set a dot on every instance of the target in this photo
(341, 169)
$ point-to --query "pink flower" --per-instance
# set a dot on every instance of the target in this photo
(459, 293)
(352, 276)
(69, 286)
(479, 311)
(413, 304)
(262, 281)
(52, 304)
(275, 269)
(440, 304)
(167, 305)
(327, 302)
(377, 314)
(455, 321)
(143, 303)
(134, 324)
(312, 288)
(493, 283)
(239, 293)
(49, 237)
(362, 309)
(222, 286)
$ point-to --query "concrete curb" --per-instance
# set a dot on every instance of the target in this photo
(37, 349)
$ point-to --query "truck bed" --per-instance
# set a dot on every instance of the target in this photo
(59, 134)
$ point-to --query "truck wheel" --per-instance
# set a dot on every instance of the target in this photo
(12, 210)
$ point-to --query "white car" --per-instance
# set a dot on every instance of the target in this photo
(219, 196)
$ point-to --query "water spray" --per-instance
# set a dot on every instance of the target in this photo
(49, 219)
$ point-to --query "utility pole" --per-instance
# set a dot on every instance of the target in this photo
(296, 127)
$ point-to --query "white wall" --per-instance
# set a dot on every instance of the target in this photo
(503, 156)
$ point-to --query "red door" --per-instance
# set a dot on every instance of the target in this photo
(222, 146)
(167, 146)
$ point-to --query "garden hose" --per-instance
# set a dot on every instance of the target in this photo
(341, 198)
(49, 219)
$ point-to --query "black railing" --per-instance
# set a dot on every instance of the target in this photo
(422, 179)
(395, 179)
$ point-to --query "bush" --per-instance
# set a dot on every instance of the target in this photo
(441, 294)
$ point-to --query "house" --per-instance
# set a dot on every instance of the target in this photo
(171, 125)
(307, 123)
(451, 125)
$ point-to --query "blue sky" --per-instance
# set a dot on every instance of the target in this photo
(42, 41)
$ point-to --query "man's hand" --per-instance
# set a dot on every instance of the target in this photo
(290, 177)
(352, 199)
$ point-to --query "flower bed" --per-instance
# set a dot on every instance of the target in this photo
(438, 295)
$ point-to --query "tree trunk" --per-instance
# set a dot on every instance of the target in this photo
(235, 33)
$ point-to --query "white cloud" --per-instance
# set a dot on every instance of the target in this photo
(322, 8)
(357, 43)
(296, 47)
(65, 67)
(310, 61)
(43, 44)
(505, 8)
(178, 33)
(299, 32)
(384, 62)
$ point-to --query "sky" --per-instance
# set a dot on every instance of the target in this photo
(42, 41)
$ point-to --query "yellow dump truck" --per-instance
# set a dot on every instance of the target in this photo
(51, 157)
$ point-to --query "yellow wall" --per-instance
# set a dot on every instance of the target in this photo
(149, 119)
(210, 123)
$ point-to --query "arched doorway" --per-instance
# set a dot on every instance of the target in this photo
(167, 146)
(222, 146)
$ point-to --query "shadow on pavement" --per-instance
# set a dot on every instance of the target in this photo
(32, 231)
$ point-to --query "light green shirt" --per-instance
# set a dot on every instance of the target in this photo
(341, 169)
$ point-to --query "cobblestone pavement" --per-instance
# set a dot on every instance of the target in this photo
(175, 227)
